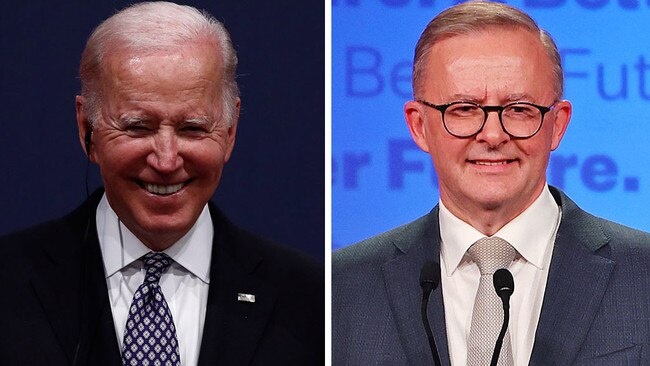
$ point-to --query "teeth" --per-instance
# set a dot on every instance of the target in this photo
(490, 163)
(160, 189)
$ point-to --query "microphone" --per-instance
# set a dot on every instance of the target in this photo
(504, 285)
(429, 280)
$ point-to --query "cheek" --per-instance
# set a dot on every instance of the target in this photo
(535, 153)
(449, 158)
(117, 156)
(448, 149)
(205, 158)
(539, 145)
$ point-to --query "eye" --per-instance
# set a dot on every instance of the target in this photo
(463, 110)
(193, 131)
(138, 130)
(135, 126)
(195, 127)
(521, 111)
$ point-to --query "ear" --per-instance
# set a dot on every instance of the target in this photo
(415, 120)
(84, 127)
(232, 132)
(562, 114)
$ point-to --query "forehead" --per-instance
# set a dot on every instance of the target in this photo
(176, 68)
(496, 59)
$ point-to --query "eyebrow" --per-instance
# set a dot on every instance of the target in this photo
(202, 120)
(515, 97)
(131, 120)
(466, 98)
(519, 97)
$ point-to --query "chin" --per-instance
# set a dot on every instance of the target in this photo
(168, 225)
(491, 198)
(163, 227)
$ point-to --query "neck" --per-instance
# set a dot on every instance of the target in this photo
(159, 242)
(156, 242)
(486, 218)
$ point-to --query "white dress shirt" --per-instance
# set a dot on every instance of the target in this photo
(185, 284)
(532, 234)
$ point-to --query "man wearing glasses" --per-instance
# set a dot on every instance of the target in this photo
(488, 108)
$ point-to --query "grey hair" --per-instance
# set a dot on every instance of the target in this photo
(149, 27)
(475, 16)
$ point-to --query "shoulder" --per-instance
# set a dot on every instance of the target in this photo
(626, 245)
(598, 234)
(33, 244)
(281, 263)
(273, 263)
(371, 253)
(359, 271)
(28, 237)
(621, 233)
(72, 225)
(295, 282)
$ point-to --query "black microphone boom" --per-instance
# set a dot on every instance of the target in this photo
(504, 285)
(429, 280)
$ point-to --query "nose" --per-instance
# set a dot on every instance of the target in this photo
(165, 157)
(492, 132)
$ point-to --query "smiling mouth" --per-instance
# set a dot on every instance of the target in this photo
(490, 163)
(163, 190)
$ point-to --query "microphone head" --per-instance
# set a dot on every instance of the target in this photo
(504, 284)
(430, 275)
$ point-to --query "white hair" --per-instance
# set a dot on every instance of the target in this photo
(155, 26)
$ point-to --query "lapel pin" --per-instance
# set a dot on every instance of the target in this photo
(245, 297)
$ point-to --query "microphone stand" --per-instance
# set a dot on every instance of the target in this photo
(504, 285)
(502, 333)
(429, 280)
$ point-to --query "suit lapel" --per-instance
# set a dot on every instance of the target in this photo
(437, 320)
(233, 328)
(98, 340)
(70, 284)
(401, 276)
(54, 291)
(576, 284)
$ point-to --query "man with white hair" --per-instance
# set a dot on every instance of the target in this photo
(147, 271)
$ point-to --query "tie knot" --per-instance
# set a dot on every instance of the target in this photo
(154, 265)
(491, 254)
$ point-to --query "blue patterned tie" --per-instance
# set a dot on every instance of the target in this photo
(150, 334)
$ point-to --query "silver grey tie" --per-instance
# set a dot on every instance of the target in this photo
(489, 254)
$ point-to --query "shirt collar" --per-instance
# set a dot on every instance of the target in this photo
(120, 247)
(530, 233)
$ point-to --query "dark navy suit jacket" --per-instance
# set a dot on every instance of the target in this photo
(55, 310)
(596, 307)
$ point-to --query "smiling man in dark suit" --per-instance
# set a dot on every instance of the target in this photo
(148, 271)
(488, 109)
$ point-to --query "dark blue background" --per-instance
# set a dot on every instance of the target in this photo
(274, 183)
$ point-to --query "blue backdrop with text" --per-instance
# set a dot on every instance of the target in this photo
(380, 179)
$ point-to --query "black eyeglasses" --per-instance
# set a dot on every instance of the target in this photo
(466, 119)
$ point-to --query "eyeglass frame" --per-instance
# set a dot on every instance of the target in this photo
(487, 109)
